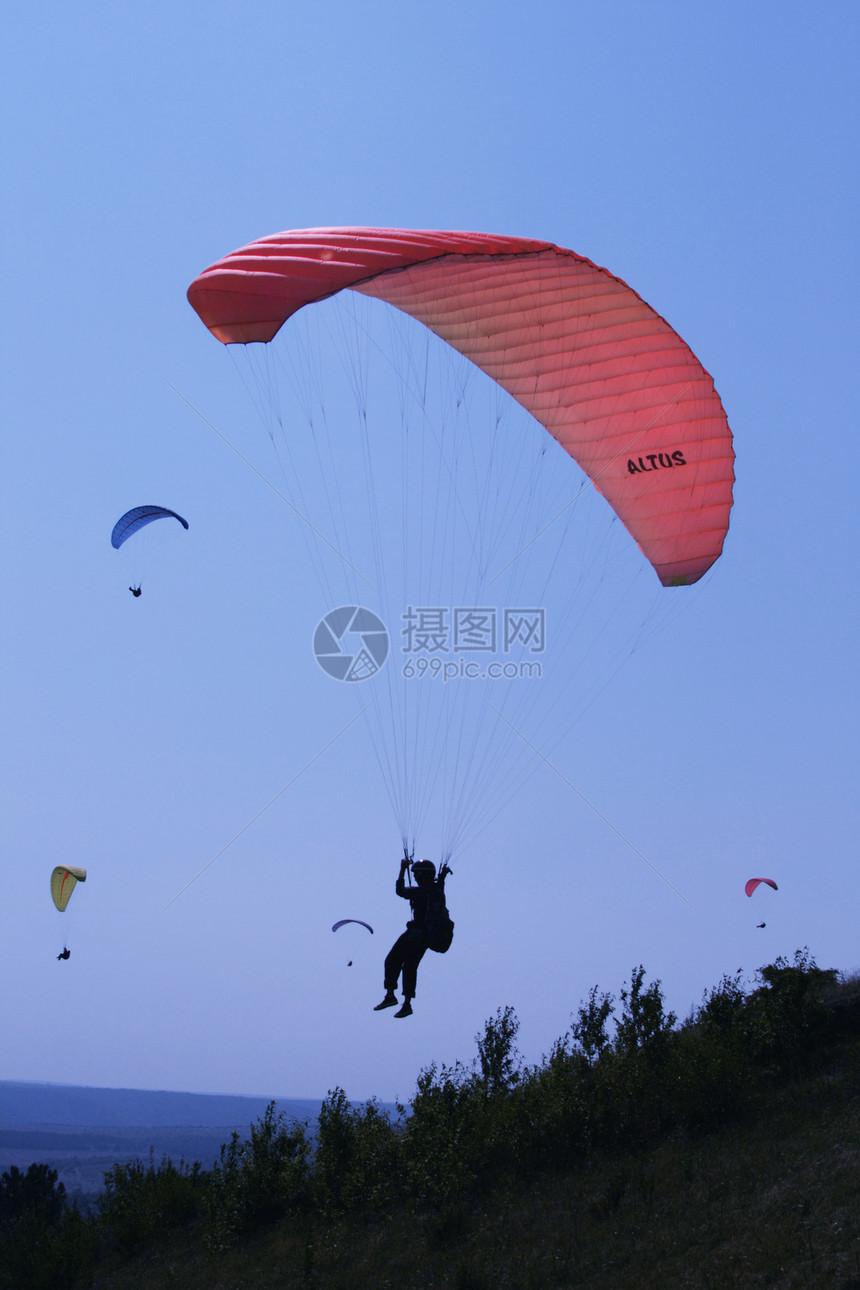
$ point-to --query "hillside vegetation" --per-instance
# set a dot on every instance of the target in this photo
(640, 1153)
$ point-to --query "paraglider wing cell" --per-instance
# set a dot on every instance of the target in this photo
(751, 884)
(64, 879)
(610, 380)
(137, 518)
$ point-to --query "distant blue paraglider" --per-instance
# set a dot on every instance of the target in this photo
(343, 921)
(137, 518)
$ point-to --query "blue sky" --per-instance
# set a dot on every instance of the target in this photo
(707, 156)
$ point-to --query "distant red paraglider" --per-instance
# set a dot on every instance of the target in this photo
(751, 884)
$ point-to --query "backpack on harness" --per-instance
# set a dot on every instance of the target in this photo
(440, 925)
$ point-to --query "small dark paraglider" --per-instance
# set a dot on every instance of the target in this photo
(137, 518)
(430, 928)
(66, 954)
(761, 924)
(133, 521)
(343, 922)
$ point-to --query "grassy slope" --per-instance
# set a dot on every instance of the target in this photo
(773, 1201)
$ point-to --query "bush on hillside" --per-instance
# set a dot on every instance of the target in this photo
(357, 1160)
(258, 1181)
(140, 1201)
(44, 1243)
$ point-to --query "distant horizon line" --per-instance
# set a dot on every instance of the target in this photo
(127, 1088)
(174, 1092)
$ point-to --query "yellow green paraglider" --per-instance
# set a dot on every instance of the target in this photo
(64, 879)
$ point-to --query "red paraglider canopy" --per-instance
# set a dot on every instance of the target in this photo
(751, 884)
(622, 393)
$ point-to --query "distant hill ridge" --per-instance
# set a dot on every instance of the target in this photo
(79, 1106)
(83, 1132)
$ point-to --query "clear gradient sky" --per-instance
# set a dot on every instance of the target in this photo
(707, 155)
